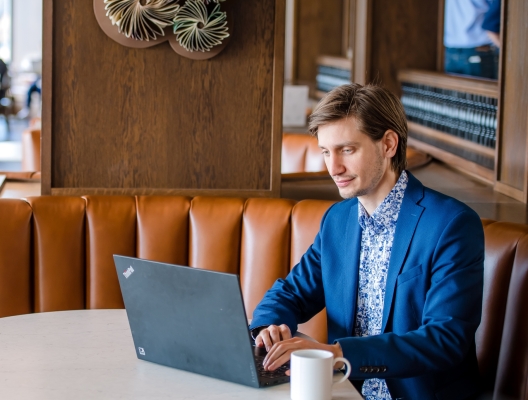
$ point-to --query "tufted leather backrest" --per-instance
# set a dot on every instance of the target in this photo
(31, 149)
(265, 247)
(56, 252)
(16, 295)
(306, 218)
(512, 371)
(501, 245)
(301, 153)
(162, 230)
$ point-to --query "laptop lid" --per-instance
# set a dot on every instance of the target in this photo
(187, 318)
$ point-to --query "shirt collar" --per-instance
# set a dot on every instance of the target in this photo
(386, 214)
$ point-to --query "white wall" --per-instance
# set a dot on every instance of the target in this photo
(27, 31)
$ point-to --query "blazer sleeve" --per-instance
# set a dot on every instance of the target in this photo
(450, 316)
(297, 298)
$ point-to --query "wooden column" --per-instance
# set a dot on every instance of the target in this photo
(118, 120)
(512, 160)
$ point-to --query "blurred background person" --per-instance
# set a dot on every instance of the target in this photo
(491, 22)
(31, 68)
(4, 79)
(469, 49)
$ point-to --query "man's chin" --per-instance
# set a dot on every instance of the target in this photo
(347, 194)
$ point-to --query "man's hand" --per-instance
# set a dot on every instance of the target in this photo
(281, 351)
(267, 337)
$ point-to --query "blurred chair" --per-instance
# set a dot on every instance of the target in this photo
(35, 122)
(31, 150)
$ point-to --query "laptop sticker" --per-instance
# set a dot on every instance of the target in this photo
(128, 272)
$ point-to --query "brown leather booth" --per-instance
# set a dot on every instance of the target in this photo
(31, 149)
(301, 153)
(56, 254)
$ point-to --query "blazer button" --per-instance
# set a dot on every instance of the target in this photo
(376, 369)
(363, 369)
(371, 370)
(383, 368)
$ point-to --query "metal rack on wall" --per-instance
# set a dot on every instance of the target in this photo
(453, 118)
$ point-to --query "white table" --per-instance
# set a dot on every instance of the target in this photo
(89, 354)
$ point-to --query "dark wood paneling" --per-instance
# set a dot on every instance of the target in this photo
(404, 35)
(512, 168)
(319, 32)
(125, 118)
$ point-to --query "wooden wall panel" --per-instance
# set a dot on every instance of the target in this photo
(403, 35)
(319, 32)
(150, 121)
(513, 125)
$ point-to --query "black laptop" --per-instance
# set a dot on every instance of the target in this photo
(192, 319)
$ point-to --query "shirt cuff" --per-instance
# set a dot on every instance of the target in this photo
(255, 331)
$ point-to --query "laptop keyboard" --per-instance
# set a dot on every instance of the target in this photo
(278, 373)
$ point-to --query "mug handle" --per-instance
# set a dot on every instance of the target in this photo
(349, 368)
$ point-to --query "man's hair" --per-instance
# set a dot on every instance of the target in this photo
(375, 109)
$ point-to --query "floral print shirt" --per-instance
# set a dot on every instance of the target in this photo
(376, 245)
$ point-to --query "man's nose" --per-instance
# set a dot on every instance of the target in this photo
(334, 165)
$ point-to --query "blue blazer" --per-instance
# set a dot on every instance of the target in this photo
(433, 296)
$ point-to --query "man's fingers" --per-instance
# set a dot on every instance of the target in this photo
(285, 332)
(283, 358)
(265, 336)
(271, 335)
(275, 334)
(280, 353)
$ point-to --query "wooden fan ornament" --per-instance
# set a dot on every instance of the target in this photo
(196, 29)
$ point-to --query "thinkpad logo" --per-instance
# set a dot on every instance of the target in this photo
(128, 272)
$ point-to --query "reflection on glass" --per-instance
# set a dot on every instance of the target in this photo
(471, 37)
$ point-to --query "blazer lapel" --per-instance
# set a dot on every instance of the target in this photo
(410, 213)
(351, 274)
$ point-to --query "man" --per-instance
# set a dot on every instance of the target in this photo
(492, 22)
(399, 267)
(4, 79)
(469, 50)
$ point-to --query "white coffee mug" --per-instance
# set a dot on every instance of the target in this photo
(311, 374)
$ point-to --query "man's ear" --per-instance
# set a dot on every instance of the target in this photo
(390, 143)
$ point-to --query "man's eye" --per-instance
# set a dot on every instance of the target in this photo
(347, 151)
(325, 152)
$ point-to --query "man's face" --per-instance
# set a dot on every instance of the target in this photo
(356, 163)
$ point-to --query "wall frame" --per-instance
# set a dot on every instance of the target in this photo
(117, 120)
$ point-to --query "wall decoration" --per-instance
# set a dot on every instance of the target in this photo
(196, 29)
(142, 19)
